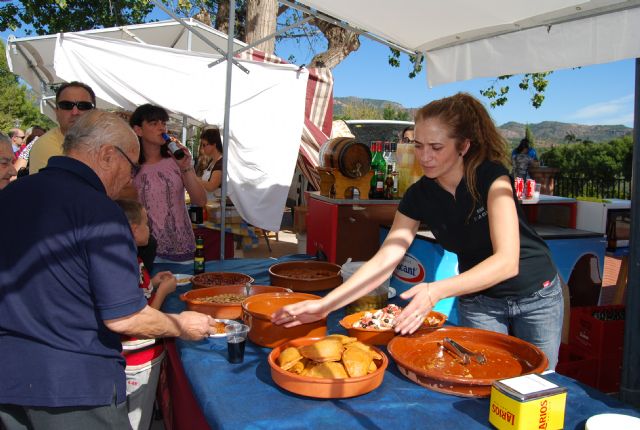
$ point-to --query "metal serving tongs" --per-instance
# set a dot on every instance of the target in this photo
(462, 352)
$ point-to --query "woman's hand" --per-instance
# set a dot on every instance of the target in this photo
(300, 313)
(412, 316)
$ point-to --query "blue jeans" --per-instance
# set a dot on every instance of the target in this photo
(536, 318)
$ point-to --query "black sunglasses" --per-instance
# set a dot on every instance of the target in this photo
(135, 168)
(67, 105)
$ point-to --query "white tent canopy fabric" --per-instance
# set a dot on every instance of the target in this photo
(32, 57)
(267, 107)
(463, 39)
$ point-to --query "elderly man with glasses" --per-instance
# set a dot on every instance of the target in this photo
(73, 99)
(69, 284)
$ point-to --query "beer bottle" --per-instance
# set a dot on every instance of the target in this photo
(388, 183)
(198, 260)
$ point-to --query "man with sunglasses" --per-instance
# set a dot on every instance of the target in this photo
(73, 99)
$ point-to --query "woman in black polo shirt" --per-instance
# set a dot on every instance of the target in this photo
(508, 282)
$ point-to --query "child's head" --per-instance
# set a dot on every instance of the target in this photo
(137, 216)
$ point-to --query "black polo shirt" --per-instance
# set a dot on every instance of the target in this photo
(463, 229)
(67, 262)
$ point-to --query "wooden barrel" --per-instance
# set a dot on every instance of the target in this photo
(351, 158)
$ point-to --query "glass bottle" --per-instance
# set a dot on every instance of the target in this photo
(173, 147)
(198, 260)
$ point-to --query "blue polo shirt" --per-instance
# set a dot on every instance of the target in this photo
(67, 262)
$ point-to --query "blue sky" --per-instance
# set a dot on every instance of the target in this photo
(598, 94)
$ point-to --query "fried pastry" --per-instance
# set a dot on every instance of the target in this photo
(356, 361)
(329, 369)
(323, 350)
(299, 366)
(366, 348)
(344, 339)
(289, 357)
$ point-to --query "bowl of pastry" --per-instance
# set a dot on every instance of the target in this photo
(375, 327)
(330, 367)
(224, 301)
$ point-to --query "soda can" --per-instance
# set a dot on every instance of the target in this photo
(530, 188)
(519, 185)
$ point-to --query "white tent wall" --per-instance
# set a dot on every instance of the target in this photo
(267, 108)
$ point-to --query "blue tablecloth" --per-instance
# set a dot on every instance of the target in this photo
(244, 396)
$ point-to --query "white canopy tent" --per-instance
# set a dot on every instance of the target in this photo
(31, 58)
(464, 39)
(263, 148)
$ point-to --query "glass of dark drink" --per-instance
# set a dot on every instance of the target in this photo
(236, 341)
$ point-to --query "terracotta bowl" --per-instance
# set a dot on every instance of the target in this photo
(382, 337)
(324, 388)
(215, 279)
(418, 358)
(229, 311)
(256, 313)
(306, 275)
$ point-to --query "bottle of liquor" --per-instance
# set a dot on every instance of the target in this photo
(198, 260)
(379, 167)
(173, 147)
(374, 162)
(388, 184)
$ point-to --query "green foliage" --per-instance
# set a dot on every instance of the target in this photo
(537, 81)
(391, 113)
(360, 110)
(394, 61)
(528, 134)
(598, 161)
(46, 16)
(17, 107)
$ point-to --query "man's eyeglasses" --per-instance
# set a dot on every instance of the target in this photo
(67, 105)
(135, 168)
(19, 137)
(406, 140)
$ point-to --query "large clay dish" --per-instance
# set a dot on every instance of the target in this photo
(324, 388)
(418, 358)
(306, 275)
(256, 313)
(229, 311)
(216, 279)
(382, 337)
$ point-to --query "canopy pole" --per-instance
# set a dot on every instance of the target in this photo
(225, 131)
(630, 382)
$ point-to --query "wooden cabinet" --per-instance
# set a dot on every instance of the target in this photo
(342, 228)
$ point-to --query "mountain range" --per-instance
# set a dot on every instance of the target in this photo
(545, 133)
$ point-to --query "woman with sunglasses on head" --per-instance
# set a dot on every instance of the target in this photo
(508, 282)
(210, 171)
(161, 183)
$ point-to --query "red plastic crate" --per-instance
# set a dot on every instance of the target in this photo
(597, 337)
(574, 363)
(609, 374)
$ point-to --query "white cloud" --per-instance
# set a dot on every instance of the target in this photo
(616, 111)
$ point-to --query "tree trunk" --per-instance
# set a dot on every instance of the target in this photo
(340, 42)
(222, 17)
(261, 22)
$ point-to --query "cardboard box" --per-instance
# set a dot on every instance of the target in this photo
(300, 219)
(526, 403)
(598, 330)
